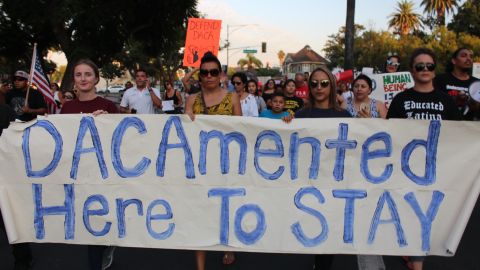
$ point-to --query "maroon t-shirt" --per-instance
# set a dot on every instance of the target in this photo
(99, 103)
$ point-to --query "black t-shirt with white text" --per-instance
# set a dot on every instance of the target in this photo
(435, 105)
(452, 86)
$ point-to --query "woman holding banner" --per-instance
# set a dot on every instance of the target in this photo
(322, 103)
(362, 105)
(212, 100)
(86, 76)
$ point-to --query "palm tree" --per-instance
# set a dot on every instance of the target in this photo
(349, 34)
(439, 8)
(281, 57)
(405, 19)
(250, 61)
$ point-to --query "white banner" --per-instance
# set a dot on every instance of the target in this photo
(388, 85)
(353, 186)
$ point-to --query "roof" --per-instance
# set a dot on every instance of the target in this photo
(306, 55)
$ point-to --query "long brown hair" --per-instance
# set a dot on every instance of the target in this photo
(332, 96)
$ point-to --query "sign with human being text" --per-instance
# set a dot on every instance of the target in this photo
(387, 85)
(203, 35)
(352, 186)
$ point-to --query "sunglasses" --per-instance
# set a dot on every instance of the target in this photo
(322, 83)
(19, 79)
(237, 83)
(68, 97)
(213, 72)
(390, 63)
(422, 66)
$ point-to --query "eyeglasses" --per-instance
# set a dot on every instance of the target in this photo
(237, 83)
(422, 66)
(68, 97)
(19, 79)
(322, 83)
(213, 72)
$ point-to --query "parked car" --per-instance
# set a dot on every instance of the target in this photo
(115, 89)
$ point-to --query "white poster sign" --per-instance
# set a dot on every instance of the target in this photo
(388, 85)
(352, 186)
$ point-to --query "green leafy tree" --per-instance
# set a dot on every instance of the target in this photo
(111, 71)
(404, 20)
(334, 48)
(439, 8)
(250, 61)
(467, 19)
(97, 29)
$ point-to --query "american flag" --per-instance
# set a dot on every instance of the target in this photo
(39, 79)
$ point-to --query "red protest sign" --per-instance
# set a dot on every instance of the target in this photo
(202, 36)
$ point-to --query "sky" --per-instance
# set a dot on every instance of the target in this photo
(286, 25)
(289, 25)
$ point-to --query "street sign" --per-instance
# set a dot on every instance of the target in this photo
(249, 51)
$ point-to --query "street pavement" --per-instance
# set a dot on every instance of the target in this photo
(74, 257)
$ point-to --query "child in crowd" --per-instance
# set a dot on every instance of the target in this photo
(292, 103)
(277, 110)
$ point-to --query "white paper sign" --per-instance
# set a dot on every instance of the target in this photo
(352, 186)
(388, 85)
(167, 105)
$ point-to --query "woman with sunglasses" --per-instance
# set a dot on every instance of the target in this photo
(68, 95)
(172, 94)
(362, 105)
(322, 98)
(422, 102)
(212, 100)
(322, 103)
(392, 64)
(252, 87)
(268, 91)
(247, 100)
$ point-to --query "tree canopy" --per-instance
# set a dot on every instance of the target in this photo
(372, 47)
(467, 19)
(102, 30)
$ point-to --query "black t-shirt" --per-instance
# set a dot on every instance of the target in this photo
(452, 86)
(322, 113)
(16, 100)
(293, 104)
(6, 116)
(435, 105)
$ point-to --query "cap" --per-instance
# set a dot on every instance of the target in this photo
(21, 74)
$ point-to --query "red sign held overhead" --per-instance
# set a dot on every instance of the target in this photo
(202, 36)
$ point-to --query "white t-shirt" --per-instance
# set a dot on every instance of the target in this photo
(139, 100)
(249, 106)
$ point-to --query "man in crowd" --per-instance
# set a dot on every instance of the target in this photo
(423, 102)
(301, 90)
(142, 98)
(15, 98)
(190, 85)
(457, 79)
